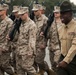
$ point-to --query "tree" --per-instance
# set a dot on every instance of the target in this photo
(49, 4)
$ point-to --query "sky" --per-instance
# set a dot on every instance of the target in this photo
(74, 1)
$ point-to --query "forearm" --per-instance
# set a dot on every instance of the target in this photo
(70, 55)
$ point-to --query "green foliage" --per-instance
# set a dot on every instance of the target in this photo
(49, 4)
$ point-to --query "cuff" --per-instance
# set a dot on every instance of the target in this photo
(67, 60)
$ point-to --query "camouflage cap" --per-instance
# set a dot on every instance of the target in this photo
(37, 7)
(23, 10)
(56, 9)
(4, 6)
(65, 6)
(16, 8)
(43, 7)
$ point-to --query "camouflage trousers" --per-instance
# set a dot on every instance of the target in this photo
(39, 60)
(54, 58)
(25, 64)
(13, 59)
(40, 55)
(4, 63)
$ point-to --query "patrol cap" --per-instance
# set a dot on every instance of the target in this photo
(16, 8)
(37, 7)
(23, 10)
(4, 6)
(56, 9)
(65, 6)
(43, 7)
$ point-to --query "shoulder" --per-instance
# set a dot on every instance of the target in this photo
(8, 20)
(44, 17)
(32, 23)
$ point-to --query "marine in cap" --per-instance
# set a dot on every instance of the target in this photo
(26, 44)
(57, 16)
(56, 11)
(67, 35)
(56, 25)
(3, 9)
(5, 26)
(14, 33)
(14, 13)
(41, 22)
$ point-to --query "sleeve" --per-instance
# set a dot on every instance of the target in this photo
(54, 42)
(72, 51)
(7, 43)
(10, 25)
(32, 38)
(2, 30)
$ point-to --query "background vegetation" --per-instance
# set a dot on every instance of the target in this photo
(48, 3)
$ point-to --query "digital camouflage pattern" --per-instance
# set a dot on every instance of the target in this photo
(5, 26)
(40, 53)
(54, 48)
(26, 47)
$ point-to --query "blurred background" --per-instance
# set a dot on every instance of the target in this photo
(49, 4)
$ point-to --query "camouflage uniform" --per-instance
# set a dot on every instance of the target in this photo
(26, 47)
(16, 35)
(54, 47)
(54, 39)
(41, 42)
(5, 25)
(40, 54)
(13, 51)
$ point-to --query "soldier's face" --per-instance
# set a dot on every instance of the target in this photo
(36, 12)
(1, 13)
(24, 16)
(56, 14)
(16, 14)
(66, 17)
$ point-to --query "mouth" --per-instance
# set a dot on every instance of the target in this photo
(62, 19)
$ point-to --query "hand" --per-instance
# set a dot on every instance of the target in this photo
(62, 64)
(7, 37)
(41, 34)
(42, 46)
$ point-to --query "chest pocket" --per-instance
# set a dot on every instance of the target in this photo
(71, 35)
(25, 32)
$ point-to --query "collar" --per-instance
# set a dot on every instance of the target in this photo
(39, 18)
(70, 24)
